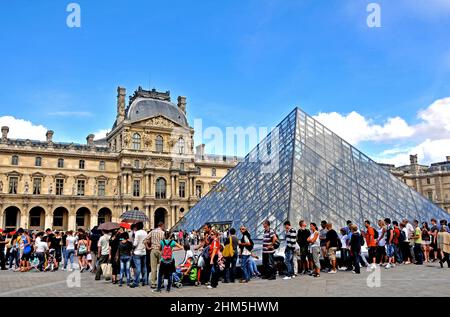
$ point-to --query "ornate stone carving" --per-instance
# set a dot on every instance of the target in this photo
(147, 140)
(1, 186)
(161, 162)
(160, 121)
(126, 139)
(27, 188)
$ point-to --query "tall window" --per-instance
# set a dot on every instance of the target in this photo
(199, 170)
(198, 191)
(182, 166)
(81, 164)
(101, 188)
(13, 183)
(182, 190)
(137, 188)
(37, 182)
(430, 195)
(136, 141)
(14, 160)
(59, 187)
(136, 164)
(428, 181)
(159, 144)
(60, 163)
(161, 188)
(80, 187)
(38, 161)
(181, 146)
(213, 171)
(101, 165)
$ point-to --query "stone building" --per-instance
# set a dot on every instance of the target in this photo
(146, 162)
(432, 181)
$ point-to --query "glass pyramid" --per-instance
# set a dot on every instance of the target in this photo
(302, 170)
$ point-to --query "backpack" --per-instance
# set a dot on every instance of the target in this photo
(402, 237)
(375, 234)
(167, 251)
(277, 243)
(361, 240)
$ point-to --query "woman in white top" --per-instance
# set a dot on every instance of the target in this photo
(314, 244)
(381, 242)
(70, 250)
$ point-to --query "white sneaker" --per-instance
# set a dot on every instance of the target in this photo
(63, 269)
(209, 286)
(369, 269)
(342, 268)
(332, 272)
(388, 266)
(287, 278)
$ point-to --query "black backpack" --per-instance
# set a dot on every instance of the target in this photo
(375, 233)
(277, 243)
(361, 240)
(402, 237)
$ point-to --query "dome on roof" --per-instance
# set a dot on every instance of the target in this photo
(143, 108)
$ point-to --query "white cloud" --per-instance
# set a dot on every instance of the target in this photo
(100, 134)
(354, 128)
(23, 129)
(431, 134)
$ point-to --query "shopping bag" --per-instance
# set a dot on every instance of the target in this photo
(107, 270)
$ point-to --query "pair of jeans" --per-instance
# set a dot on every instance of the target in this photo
(356, 265)
(246, 268)
(289, 260)
(269, 265)
(14, 257)
(398, 254)
(141, 269)
(41, 257)
(215, 272)
(2, 260)
(125, 262)
(69, 254)
(230, 268)
(418, 255)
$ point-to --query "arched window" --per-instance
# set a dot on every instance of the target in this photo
(160, 188)
(136, 141)
(159, 144)
(180, 146)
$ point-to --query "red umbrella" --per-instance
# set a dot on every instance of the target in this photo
(125, 225)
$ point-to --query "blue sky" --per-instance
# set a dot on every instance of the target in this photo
(240, 63)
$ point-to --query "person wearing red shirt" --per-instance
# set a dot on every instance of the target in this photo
(214, 253)
(371, 245)
(396, 242)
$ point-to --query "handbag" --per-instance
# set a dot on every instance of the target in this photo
(228, 251)
(107, 270)
(89, 257)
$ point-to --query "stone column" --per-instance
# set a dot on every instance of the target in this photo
(172, 181)
(48, 222)
(172, 215)
(94, 219)
(124, 184)
(151, 217)
(130, 184)
(23, 221)
(2, 224)
(72, 225)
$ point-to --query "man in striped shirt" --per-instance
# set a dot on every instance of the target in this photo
(268, 251)
(291, 239)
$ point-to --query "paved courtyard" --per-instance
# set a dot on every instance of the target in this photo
(406, 280)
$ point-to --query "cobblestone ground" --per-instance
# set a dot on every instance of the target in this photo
(405, 280)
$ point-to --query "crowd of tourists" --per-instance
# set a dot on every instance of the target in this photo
(138, 258)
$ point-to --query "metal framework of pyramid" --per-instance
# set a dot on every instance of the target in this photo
(302, 170)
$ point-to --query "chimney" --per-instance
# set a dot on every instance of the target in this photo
(121, 93)
(90, 140)
(49, 136)
(200, 150)
(413, 159)
(5, 131)
(182, 104)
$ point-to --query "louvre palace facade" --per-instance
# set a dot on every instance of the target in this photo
(147, 162)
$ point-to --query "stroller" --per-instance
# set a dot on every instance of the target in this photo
(187, 273)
